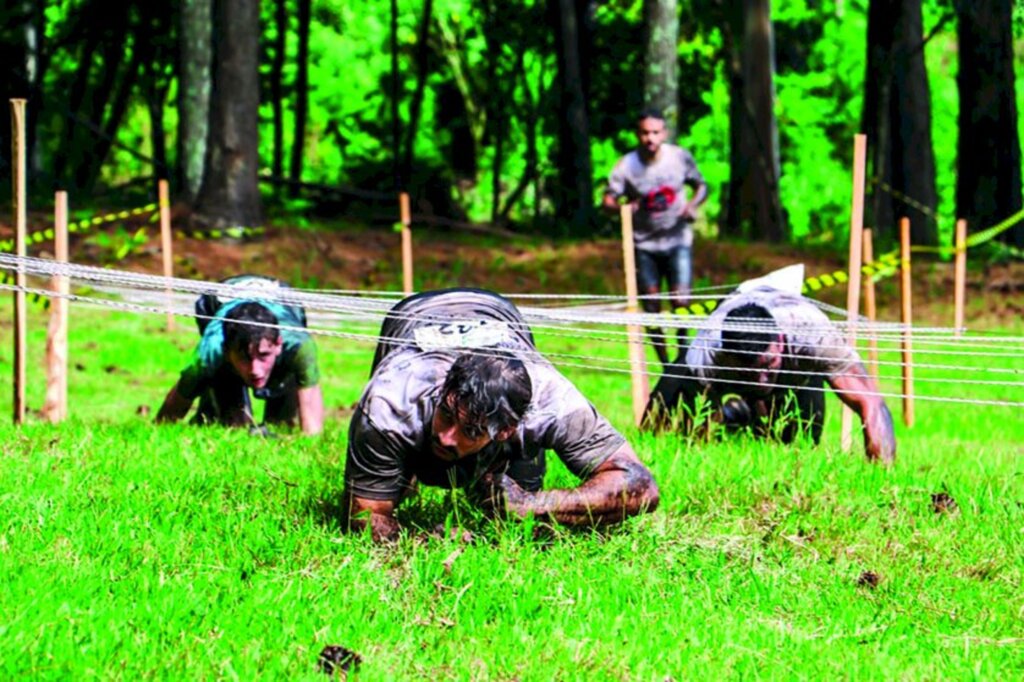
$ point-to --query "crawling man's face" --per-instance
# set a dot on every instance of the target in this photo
(755, 375)
(452, 435)
(255, 363)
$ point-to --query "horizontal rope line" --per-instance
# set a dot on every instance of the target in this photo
(376, 309)
(373, 339)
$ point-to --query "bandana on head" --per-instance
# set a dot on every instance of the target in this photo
(211, 346)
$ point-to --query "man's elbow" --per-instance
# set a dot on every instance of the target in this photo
(643, 495)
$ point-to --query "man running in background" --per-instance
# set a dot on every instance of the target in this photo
(762, 360)
(241, 348)
(459, 397)
(653, 179)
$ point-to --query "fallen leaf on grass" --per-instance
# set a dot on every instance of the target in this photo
(869, 579)
(335, 658)
(943, 503)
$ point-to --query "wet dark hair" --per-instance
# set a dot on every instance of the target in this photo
(239, 335)
(494, 391)
(650, 112)
(759, 330)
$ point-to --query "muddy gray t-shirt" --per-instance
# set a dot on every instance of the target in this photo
(660, 188)
(813, 342)
(389, 437)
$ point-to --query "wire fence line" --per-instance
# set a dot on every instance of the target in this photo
(360, 317)
(182, 290)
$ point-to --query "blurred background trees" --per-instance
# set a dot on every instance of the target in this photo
(513, 111)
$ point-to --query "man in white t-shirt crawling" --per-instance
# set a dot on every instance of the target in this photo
(762, 360)
(653, 178)
(459, 397)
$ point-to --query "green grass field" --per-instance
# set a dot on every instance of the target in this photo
(134, 551)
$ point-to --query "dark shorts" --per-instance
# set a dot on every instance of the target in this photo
(787, 412)
(438, 305)
(673, 265)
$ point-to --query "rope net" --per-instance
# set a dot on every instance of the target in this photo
(973, 368)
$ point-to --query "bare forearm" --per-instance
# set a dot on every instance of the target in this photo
(610, 203)
(311, 410)
(174, 407)
(860, 393)
(879, 436)
(622, 489)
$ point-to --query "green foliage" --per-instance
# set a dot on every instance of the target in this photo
(491, 76)
(114, 246)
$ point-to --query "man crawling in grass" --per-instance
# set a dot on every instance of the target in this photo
(242, 348)
(459, 397)
(762, 360)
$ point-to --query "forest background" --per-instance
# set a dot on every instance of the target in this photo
(514, 112)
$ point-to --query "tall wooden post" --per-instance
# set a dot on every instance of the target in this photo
(166, 245)
(959, 276)
(637, 363)
(869, 304)
(19, 202)
(906, 318)
(55, 409)
(406, 217)
(860, 145)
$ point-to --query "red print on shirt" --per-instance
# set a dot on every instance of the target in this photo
(658, 201)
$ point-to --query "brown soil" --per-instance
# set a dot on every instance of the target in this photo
(369, 259)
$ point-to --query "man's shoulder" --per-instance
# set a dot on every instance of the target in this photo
(630, 161)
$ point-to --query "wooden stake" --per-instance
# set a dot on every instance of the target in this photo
(959, 276)
(860, 145)
(869, 304)
(906, 317)
(20, 207)
(403, 204)
(637, 362)
(166, 245)
(55, 409)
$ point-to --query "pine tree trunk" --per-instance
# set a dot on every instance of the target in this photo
(301, 92)
(276, 86)
(661, 83)
(195, 44)
(575, 166)
(988, 153)
(897, 121)
(754, 182)
(415, 107)
(229, 194)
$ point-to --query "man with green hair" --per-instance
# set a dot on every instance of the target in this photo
(250, 343)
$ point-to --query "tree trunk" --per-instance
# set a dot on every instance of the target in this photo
(988, 153)
(36, 64)
(500, 131)
(396, 124)
(754, 182)
(65, 160)
(230, 193)
(155, 104)
(732, 224)
(116, 91)
(276, 88)
(422, 69)
(897, 121)
(301, 92)
(661, 84)
(195, 46)
(574, 198)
